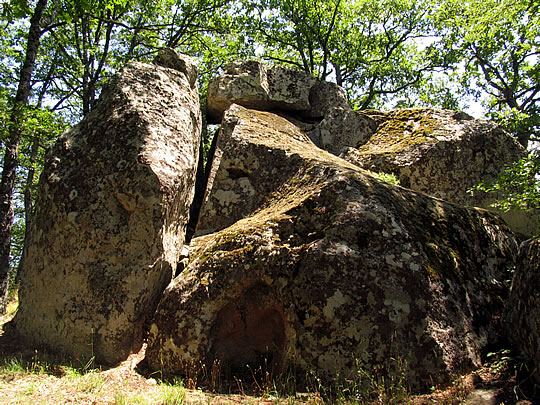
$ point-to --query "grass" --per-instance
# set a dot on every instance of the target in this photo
(388, 177)
(174, 394)
(169, 394)
(30, 376)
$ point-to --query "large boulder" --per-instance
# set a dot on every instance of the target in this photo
(522, 315)
(342, 129)
(111, 213)
(240, 180)
(253, 85)
(323, 268)
(441, 153)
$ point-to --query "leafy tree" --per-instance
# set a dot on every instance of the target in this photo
(14, 130)
(371, 48)
(81, 47)
(377, 50)
(498, 44)
(295, 32)
(519, 183)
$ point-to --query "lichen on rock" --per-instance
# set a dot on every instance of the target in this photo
(350, 272)
(522, 310)
(111, 213)
(251, 84)
(442, 153)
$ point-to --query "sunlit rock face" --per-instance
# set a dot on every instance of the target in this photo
(438, 152)
(253, 85)
(441, 153)
(310, 263)
(111, 214)
(522, 315)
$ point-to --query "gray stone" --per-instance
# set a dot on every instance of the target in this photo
(442, 153)
(244, 83)
(325, 96)
(522, 315)
(321, 267)
(343, 128)
(241, 180)
(169, 58)
(252, 85)
(289, 89)
(111, 213)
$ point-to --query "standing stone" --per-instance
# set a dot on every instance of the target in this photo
(111, 213)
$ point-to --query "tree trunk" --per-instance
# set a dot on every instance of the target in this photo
(12, 146)
(28, 205)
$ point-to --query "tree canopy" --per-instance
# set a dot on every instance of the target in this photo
(57, 54)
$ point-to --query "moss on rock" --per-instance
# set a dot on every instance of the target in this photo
(352, 271)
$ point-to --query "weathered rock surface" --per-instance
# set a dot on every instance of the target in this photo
(241, 179)
(341, 129)
(253, 85)
(331, 270)
(522, 315)
(324, 97)
(441, 153)
(111, 214)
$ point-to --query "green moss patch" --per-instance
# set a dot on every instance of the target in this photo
(403, 129)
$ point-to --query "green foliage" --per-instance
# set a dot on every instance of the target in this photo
(496, 44)
(41, 127)
(388, 177)
(368, 47)
(5, 106)
(18, 365)
(378, 385)
(173, 394)
(518, 122)
(125, 399)
(519, 184)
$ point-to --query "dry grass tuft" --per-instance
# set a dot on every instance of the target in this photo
(31, 376)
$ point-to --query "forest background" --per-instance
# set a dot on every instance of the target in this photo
(57, 54)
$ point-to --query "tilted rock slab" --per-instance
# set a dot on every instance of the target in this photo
(522, 315)
(253, 85)
(111, 213)
(439, 152)
(333, 271)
